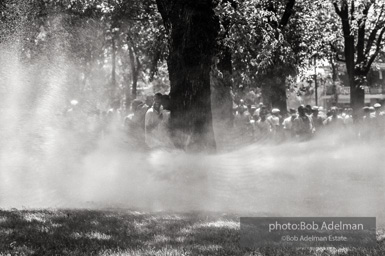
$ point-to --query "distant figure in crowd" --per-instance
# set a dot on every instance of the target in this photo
(288, 124)
(149, 100)
(152, 120)
(263, 125)
(316, 119)
(164, 129)
(250, 97)
(302, 125)
(366, 123)
(252, 119)
(74, 115)
(308, 110)
(113, 117)
(334, 120)
(257, 112)
(348, 117)
(242, 123)
(135, 122)
(379, 120)
(275, 122)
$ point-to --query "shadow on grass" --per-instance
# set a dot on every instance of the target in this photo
(84, 232)
(110, 232)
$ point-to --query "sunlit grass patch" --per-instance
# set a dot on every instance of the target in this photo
(39, 217)
(167, 251)
(219, 224)
(380, 234)
(122, 232)
(91, 235)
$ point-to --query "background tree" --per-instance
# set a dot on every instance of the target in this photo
(270, 41)
(363, 29)
(84, 32)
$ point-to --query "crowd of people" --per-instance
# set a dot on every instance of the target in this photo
(257, 122)
(148, 123)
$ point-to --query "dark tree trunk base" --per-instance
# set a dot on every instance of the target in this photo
(357, 99)
(274, 94)
(192, 45)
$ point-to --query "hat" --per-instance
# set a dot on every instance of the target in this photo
(333, 108)
(275, 110)
(135, 103)
(253, 107)
(292, 111)
(377, 105)
(365, 108)
(371, 108)
(314, 108)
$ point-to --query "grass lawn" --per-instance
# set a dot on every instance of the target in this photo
(123, 232)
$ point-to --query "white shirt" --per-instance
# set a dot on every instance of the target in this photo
(287, 123)
(152, 120)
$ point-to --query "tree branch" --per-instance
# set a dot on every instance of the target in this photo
(378, 49)
(371, 39)
(361, 33)
(288, 12)
(372, 36)
(338, 11)
(164, 12)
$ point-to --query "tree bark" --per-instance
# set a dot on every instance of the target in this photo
(278, 97)
(222, 102)
(193, 29)
(113, 69)
(274, 89)
(357, 94)
(334, 79)
(134, 74)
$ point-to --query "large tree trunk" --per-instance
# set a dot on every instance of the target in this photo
(131, 94)
(334, 79)
(222, 102)
(192, 43)
(357, 93)
(274, 91)
(278, 96)
(113, 69)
